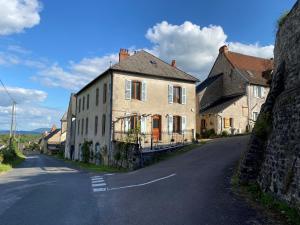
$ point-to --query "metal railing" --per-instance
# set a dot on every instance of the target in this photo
(153, 141)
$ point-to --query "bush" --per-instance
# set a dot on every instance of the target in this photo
(198, 136)
(224, 133)
(1, 157)
(209, 133)
(86, 151)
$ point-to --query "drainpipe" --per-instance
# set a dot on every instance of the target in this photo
(218, 116)
(112, 126)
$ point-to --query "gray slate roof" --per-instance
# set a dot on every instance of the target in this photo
(145, 63)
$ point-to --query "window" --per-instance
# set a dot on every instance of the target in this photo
(176, 94)
(86, 125)
(79, 106)
(83, 103)
(88, 102)
(136, 90)
(255, 115)
(176, 124)
(96, 125)
(103, 124)
(203, 124)
(78, 132)
(82, 126)
(258, 91)
(97, 96)
(226, 122)
(104, 92)
(231, 122)
(134, 122)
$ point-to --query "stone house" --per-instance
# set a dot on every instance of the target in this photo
(70, 128)
(233, 93)
(50, 142)
(140, 93)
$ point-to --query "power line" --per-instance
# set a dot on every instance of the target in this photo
(5, 89)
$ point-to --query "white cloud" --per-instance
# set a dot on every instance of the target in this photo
(77, 74)
(196, 48)
(30, 117)
(30, 114)
(21, 96)
(252, 49)
(16, 15)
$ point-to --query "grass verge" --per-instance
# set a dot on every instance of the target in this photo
(277, 208)
(91, 166)
(5, 167)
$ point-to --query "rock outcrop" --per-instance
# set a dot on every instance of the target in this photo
(273, 155)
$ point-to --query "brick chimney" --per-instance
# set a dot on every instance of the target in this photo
(173, 63)
(223, 49)
(123, 54)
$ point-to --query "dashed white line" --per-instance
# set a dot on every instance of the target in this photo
(99, 189)
(99, 185)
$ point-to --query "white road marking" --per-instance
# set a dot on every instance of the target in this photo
(109, 174)
(95, 177)
(142, 184)
(98, 185)
(99, 189)
(97, 181)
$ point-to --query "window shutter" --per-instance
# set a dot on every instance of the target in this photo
(127, 122)
(183, 95)
(144, 91)
(170, 124)
(143, 125)
(170, 94)
(183, 124)
(262, 92)
(128, 89)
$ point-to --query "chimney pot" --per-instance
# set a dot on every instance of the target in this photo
(123, 54)
(223, 49)
(173, 63)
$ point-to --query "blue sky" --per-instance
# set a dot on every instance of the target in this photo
(49, 49)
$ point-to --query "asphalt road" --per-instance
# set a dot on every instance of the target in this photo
(193, 188)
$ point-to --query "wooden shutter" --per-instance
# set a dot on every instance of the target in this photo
(143, 125)
(170, 124)
(183, 95)
(144, 91)
(183, 124)
(170, 94)
(127, 89)
(127, 122)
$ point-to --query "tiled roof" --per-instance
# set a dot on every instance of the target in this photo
(220, 104)
(207, 82)
(143, 62)
(50, 135)
(251, 67)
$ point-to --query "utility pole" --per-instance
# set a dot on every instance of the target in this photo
(13, 121)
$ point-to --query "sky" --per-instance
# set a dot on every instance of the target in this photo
(51, 48)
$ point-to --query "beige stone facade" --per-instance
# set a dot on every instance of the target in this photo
(231, 97)
(140, 93)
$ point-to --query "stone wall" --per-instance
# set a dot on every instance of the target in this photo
(273, 155)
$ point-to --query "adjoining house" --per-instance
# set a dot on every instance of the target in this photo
(70, 130)
(54, 141)
(233, 93)
(140, 94)
(50, 142)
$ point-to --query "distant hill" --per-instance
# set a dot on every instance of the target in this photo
(35, 131)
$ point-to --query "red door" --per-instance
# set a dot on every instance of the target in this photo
(156, 128)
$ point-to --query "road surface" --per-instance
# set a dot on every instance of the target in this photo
(190, 189)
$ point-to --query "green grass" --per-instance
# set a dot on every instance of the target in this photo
(5, 167)
(91, 166)
(97, 168)
(252, 192)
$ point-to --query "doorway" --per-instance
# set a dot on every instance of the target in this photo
(156, 128)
